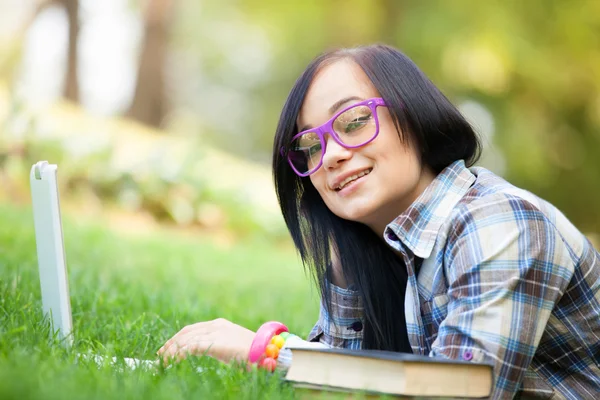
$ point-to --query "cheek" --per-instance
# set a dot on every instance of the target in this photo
(391, 148)
(319, 182)
(402, 175)
(399, 165)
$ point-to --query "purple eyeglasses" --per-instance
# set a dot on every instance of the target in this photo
(352, 127)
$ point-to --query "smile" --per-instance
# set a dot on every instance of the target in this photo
(352, 178)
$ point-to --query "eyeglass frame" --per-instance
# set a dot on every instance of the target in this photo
(327, 127)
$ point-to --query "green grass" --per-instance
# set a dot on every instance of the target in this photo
(128, 296)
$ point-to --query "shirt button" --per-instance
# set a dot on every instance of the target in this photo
(356, 326)
(467, 355)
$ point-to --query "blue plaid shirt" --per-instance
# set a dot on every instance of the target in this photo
(505, 279)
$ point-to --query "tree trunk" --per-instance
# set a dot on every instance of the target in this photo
(71, 90)
(149, 103)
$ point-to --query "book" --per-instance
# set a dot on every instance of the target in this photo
(389, 373)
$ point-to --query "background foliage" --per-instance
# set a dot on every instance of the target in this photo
(525, 73)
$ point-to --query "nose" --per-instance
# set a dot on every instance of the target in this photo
(335, 153)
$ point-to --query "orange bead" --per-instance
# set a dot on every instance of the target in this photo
(278, 341)
(268, 364)
(272, 351)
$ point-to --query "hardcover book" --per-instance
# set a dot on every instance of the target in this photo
(383, 372)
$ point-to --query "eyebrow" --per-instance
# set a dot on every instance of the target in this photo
(334, 108)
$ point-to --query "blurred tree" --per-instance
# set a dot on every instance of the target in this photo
(71, 90)
(71, 7)
(150, 103)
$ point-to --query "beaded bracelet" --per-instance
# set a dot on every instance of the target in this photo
(269, 340)
(263, 338)
(269, 362)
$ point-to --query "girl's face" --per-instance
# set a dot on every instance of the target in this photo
(394, 175)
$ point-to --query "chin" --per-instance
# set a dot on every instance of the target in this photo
(358, 209)
(357, 215)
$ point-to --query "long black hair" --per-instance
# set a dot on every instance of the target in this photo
(439, 134)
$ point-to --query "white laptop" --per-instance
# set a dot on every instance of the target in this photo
(50, 249)
(52, 264)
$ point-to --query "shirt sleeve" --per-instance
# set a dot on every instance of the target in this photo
(506, 267)
(341, 328)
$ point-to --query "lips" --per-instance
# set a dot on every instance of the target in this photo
(351, 178)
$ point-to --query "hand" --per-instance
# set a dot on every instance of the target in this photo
(219, 338)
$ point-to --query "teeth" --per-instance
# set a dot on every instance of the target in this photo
(352, 178)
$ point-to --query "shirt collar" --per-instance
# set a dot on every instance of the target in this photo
(418, 226)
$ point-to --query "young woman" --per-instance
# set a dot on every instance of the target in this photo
(414, 249)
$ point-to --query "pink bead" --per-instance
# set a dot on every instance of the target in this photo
(268, 364)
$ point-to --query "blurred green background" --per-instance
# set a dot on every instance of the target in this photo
(163, 111)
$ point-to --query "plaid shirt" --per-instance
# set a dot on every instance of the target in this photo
(505, 279)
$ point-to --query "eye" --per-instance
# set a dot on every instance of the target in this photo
(308, 149)
(352, 120)
(357, 123)
(314, 149)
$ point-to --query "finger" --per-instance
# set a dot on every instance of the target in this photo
(166, 346)
(181, 340)
(168, 355)
(183, 335)
(171, 349)
(192, 349)
(199, 328)
(189, 349)
(197, 343)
